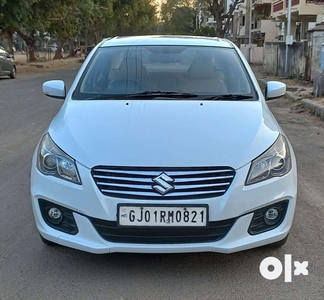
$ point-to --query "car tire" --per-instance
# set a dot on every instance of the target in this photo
(278, 244)
(47, 242)
(13, 73)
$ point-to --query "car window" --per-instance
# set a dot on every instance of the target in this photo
(124, 70)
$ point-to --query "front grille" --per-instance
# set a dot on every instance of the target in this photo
(177, 183)
(109, 231)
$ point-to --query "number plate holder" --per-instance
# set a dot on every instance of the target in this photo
(197, 212)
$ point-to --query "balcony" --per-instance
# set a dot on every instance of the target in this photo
(265, 26)
(261, 2)
(308, 8)
(293, 2)
(278, 6)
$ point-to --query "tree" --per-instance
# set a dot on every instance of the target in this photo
(101, 20)
(206, 31)
(65, 22)
(178, 17)
(182, 21)
(134, 17)
(222, 16)
(12, 15)
(68, 19)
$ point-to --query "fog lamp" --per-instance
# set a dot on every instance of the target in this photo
(271, 216)
(55, 215)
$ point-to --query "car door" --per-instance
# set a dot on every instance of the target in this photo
(2, 61)
(5, 62)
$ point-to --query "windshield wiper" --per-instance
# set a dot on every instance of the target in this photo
(229, 97)
(100, 97)
(157, 94)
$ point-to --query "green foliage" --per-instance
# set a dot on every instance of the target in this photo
(134, 17)
(13, 13)
(88, 20)
(178, 17)
(206, 31)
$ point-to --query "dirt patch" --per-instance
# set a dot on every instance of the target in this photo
(24, 67)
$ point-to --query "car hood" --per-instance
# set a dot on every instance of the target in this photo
(164, 133)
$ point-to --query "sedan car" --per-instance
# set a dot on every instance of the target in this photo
(164, 144)
(7, 64)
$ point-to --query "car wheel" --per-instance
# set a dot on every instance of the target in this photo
(13, 73)
(47, 242)
(278, 244)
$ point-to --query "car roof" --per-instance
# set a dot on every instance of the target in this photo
(166, 40)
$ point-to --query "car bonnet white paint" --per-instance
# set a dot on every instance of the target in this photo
(164, 132)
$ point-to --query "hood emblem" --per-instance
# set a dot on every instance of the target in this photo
(163, 184)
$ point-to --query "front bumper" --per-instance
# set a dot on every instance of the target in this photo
(239, 203)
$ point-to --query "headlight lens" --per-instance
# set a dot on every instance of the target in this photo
(51, 160)
(275, 162)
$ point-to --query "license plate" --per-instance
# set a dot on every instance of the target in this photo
(179, 216)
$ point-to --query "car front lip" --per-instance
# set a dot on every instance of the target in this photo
(239, 202)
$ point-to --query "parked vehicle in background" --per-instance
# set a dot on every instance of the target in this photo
(7, 64)
(164, 144)
(88, 50)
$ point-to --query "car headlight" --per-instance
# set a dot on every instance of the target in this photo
(275, 162)
(51, 160)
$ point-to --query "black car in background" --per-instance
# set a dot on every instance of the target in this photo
(7, 64)
(88, 50)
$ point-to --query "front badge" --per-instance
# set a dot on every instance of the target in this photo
(163, 184)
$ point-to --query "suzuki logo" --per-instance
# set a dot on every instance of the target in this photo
(163, 181)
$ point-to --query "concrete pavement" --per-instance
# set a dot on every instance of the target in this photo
(297, 90)
(32, 270)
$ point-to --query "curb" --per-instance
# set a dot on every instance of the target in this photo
(288, 94)
(37, 66)
(313, 107)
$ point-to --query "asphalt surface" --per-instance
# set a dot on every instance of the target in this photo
(31, 270)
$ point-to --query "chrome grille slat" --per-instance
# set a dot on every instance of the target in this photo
(167, 196)
(148, 179)
(187, 183)
(148, 185)
(157, 172)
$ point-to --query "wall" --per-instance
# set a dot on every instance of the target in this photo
(257, 53)
(316, 44)
(275, 59)
(269, 28)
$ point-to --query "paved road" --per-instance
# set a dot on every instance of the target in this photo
(32, 270)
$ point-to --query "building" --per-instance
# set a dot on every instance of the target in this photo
(305, 14)
(269, 20)
(263, 27)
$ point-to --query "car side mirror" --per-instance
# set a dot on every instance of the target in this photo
(55, 89)
(274, 89)
(10, 56)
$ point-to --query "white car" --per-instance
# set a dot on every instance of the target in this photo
(164, 144)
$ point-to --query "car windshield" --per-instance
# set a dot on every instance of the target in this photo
(142, 72)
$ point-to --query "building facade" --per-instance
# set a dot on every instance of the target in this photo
(269, 20)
